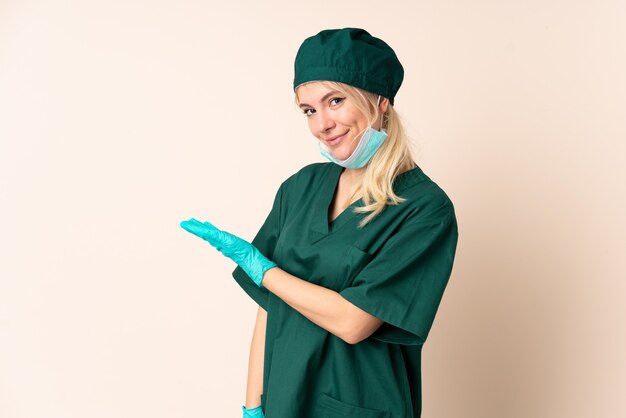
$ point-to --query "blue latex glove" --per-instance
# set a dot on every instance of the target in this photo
(253, 412)
(246, 255)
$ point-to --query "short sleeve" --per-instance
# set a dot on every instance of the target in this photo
(265, 242)
(405, 281)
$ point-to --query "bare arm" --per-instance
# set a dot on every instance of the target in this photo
(323, 306)
(255, 362)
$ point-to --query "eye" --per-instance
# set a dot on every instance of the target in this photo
(308, 112)
(337, 100)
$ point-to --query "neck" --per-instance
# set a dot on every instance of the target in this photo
(353, 174)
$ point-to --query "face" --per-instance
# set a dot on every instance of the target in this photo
(332, 118)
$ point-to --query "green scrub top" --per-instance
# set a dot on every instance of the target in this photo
(396, 268)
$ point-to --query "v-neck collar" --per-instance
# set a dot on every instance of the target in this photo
(321, 227)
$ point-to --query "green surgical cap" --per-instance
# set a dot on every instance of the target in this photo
(351, 56)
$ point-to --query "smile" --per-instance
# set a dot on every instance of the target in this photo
(336, 140)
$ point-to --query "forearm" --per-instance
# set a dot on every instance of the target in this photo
(323, 306)
(255, 363)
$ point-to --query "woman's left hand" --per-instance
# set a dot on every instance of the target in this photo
(246, 255)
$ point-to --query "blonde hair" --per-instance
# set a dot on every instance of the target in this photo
(393, 157)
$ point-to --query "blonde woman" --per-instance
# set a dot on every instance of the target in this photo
(352, 261)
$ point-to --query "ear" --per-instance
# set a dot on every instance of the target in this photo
(384, 103)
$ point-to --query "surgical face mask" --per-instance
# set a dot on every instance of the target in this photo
(364, 151)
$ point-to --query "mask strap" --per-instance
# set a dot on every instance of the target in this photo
(378, 111)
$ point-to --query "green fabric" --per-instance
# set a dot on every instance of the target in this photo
(395, 268)
(351, 56)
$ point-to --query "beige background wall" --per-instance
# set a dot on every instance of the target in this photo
(119, 119)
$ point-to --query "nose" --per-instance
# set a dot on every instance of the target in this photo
(325, 121)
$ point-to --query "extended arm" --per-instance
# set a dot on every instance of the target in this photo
(323, 306)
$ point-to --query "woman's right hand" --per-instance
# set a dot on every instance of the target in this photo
(256, 412)
(246, 255)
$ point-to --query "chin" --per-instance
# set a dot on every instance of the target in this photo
(341, 154)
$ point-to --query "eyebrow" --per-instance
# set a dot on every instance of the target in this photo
(323, 99)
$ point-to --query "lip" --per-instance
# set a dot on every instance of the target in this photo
(335, 140)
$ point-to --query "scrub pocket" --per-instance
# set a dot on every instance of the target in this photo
(329, 407)
(356, 259)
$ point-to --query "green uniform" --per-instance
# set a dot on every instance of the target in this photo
(395, 268)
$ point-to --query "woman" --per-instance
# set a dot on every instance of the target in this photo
(352, 261)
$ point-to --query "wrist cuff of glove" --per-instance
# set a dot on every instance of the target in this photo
(256, 412)
(266, 267)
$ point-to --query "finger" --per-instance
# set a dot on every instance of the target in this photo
(196, 222)
(214, 233)
(210, 225)
(192, 227)
(198, 228)
(191, 223)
